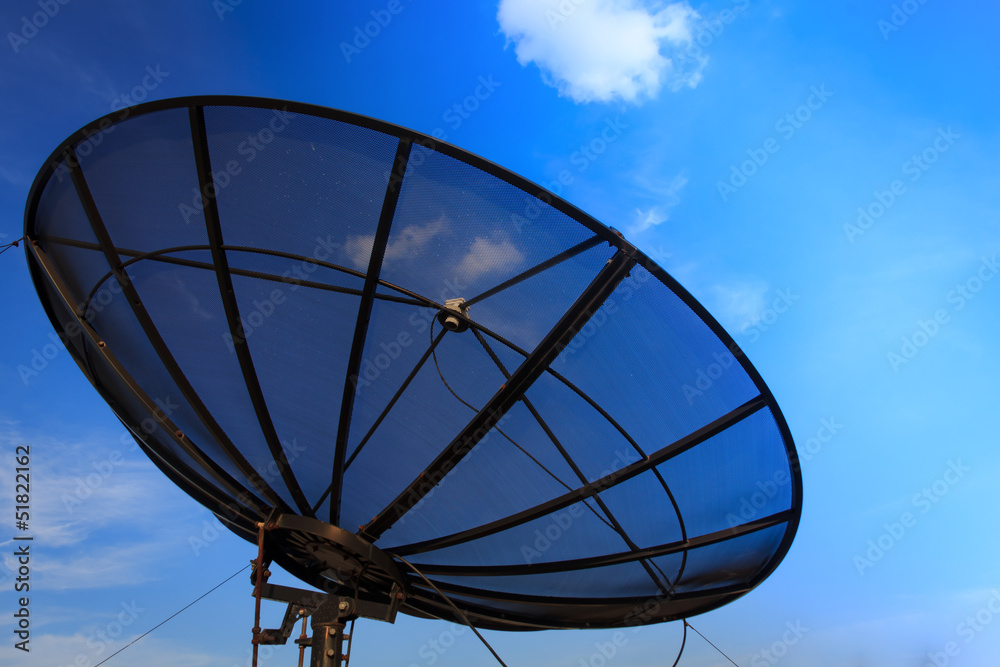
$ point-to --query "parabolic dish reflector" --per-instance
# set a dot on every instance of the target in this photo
(388, 347)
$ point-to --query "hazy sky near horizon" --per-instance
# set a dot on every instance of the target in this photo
(824, 177)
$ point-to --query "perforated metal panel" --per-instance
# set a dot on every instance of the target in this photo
(302, 309)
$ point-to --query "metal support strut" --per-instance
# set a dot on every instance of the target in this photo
(366, 583)
(330, 644)
(328, 622)
(260, 575)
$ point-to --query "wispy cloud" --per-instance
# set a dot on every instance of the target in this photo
(102, 567)
(409, 242)
(668, 196)
(102, 510)
(174, 288)
(14, 176)
(737, 302)
(87, 484)
(53, 649)
(651, 217)
(603, 50)
(487, 257)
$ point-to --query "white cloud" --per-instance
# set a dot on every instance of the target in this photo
(88, 486)
(738, 303)
(659, 213)
(487, 256)
(602, 50)
(409, 242)
(654, 215)
(14, 176)
(102, 567)
(359, 249)
(102, 510)
(51, 649)
(169, 285)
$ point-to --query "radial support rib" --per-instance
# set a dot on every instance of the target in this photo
(361, 328)
(614, 271)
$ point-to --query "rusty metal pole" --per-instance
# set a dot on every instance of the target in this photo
(328, 632)
(303, 637)
(257, 590)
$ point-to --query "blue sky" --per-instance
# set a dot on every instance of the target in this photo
(824, 177)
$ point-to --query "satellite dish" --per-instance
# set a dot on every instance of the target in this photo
(362, 348)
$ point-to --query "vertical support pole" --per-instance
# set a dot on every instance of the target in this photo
(304, 636)
(328, 644)
(328, 632)
(257, 590)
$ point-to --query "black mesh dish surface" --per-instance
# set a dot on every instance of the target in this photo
(303, 312)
